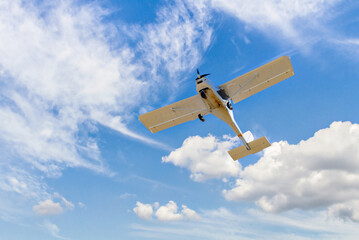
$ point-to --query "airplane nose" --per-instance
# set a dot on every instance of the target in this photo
(201, 76)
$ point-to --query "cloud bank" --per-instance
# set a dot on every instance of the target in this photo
(320, 172)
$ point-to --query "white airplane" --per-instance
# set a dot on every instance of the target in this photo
(218, 102)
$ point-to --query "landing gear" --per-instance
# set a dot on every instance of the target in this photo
(201, 117)
(229, 105)
(203, 94)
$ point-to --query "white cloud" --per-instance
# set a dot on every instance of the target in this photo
(297, 20)
(223, 223)
(63, 71)
(178, 39)
(127, 195)
(47, 207)
(143, 211)
(61, 76)
(82, 205)
(53, 229)
(168, 212)
(318, 172)
(67, 204)
(201, 156)
(189, 213)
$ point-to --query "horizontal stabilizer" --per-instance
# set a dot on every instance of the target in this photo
(256, 146)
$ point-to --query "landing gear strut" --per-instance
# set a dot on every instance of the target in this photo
(201, 117)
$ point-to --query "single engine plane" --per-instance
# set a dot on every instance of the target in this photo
(218, 101)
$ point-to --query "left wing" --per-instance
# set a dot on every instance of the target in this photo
(258, 79)
(174, 114)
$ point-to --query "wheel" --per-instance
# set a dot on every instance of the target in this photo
(201, 117)
(203, 94)
(229, 105)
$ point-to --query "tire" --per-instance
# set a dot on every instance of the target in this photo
(203, 94)
(229, 105)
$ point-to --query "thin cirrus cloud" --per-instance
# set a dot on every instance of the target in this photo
(60, 76)
(298, 21)
(168, 212)
(53, 229)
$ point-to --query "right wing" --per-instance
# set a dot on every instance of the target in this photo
(174, 114)
(258, 79)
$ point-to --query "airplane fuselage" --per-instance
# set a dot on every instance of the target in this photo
(220, 107)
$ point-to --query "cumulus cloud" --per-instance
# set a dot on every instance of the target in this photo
(47, 207)
(322, 171)
(143, 211)
(168, 212)
(201, 155)
(189, 213)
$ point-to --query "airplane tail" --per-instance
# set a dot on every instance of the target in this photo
(256, 146)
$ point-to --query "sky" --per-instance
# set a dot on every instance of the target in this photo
(76, 163)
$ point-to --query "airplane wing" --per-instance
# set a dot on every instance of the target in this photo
(174, 114)
(258, 79)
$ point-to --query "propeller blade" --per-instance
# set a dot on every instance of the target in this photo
(201, 76)
(205, 74)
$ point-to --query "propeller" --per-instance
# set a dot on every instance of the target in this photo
(201, 76)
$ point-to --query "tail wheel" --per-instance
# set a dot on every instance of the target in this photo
(201, 117)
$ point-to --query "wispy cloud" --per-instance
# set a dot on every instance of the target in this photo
(63, 71)
(292, 20)
(53, 229)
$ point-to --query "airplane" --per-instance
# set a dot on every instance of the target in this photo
(218, 101)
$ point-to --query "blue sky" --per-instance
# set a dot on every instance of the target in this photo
(76, 163)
